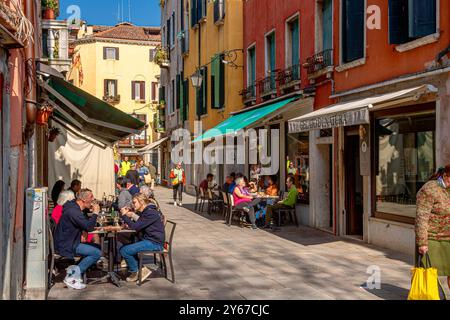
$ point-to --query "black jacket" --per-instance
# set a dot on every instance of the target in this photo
(68, 232)
(149, 225)
(133, 176)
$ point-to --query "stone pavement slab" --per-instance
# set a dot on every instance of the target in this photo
(215, 261)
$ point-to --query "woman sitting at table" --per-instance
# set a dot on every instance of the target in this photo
(243, 200)
(272, 188)
(150, 229)
(252, 186)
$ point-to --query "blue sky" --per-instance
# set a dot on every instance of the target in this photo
(105, 12)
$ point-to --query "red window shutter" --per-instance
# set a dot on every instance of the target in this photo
(133, 90)
(153, 91)
(143, 90)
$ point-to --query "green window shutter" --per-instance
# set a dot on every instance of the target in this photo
(353, 19)
(327, 24)
(252, 66)
(398, 21)
(193, 13)
(221, 82)
(422, 18)
(205, 90)
(215, 79)
(178, 91)
(295, 40)
(186, 99)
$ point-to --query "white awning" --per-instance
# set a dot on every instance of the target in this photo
(353, 112)
(152, 146)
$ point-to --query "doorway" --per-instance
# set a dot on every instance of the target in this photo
(353, 184)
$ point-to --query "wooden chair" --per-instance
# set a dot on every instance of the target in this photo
(167, 251)
(226, 204)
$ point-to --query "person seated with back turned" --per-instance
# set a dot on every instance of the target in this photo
(288, 203)
(68, 234)
(131, 187)
(75, 187)
(233, 184)
(151, 233)
(133, 175)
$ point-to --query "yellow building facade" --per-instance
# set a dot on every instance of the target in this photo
(117, 65)
(215, 37)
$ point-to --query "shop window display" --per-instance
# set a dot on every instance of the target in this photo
(297, 162)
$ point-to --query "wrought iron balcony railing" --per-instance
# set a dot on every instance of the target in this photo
(112, 99)
(319, 61)
(249, 93)
(291, 75)
(269, 84)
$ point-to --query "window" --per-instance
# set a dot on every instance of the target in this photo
(169, 33)
(198, 11)
(292, 43)
(411, 19)
(110, 53)
(270, 52)
(251, 65)
(154, 89)
(110, 88)
(140, 139)
(352, 24)
(219, 10)
(404, 160)
(178, 90)
(217, 82)
(185, 109)
(325, 16)
(297, 147)
(152, 55)
(138, 90)
(173, 33)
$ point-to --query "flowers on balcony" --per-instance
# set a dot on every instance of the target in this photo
(161, 57)
(50, 9)
(112, 99)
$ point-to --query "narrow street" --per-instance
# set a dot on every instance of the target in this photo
(214, 261)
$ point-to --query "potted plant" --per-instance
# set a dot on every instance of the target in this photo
(53, 133)
(50, 9)
(43, 114)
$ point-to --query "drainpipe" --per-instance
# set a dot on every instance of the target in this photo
(30, 97)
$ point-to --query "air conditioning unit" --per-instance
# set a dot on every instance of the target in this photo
(36, 268)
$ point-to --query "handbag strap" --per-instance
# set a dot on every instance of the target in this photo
(427, 261)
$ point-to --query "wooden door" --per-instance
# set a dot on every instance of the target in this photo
(353, 186)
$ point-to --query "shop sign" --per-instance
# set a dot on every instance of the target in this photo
(349, 118)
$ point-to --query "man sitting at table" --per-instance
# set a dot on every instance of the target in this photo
(208, 182)
(151, 229)
(287, 203)
(68, 234)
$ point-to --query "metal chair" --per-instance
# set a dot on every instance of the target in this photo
(203, 199)
(197, 197)
(292, 215)
(233, 209)
(213, 204)
(226, 204)
(167, 250)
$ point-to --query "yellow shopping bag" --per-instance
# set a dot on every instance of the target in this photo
(425, 282)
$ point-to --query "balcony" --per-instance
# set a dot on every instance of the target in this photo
(112, 99)
(249, 94)
(319, 64)
(268, 85)
(289, 78)
(162, 57)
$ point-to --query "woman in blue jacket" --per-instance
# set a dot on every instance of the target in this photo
(150, 228)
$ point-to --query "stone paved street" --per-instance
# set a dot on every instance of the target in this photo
(214, 261)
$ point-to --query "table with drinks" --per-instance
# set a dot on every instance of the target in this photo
(109, 224)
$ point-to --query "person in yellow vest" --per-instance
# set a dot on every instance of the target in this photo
(125, 166)
(178, 180)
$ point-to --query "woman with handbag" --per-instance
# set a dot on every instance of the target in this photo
(433, 221)
(178, 180)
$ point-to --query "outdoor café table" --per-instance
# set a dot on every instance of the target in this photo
(110, 232)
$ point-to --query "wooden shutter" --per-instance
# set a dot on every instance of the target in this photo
(186, 99)
(104, 53)
(295, 43)
(221, 82)
(153, 93)
(354, 22)
(105, 88)
(133, 90)
(178, 90)
(199, 10)
(162, 94)
(115, 87)
(398, 21)
(193, 12)
(142, 84)
(117, 53)
(327, 10)
(205, 90)
(422, 18)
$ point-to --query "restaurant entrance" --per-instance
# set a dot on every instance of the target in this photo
(353, 183)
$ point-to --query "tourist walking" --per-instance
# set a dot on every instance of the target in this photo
(178, 180)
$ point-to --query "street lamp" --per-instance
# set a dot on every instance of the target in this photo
(197, 79)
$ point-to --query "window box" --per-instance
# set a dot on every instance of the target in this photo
(112, 99)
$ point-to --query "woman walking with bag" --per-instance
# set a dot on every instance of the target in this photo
(178, 180)
(433, 221)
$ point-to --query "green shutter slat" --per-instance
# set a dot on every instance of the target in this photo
(205, 90)
(398, 21)
(353, 19)
(327, 24)
(221, 83)
(295, 43)
(422, 18)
